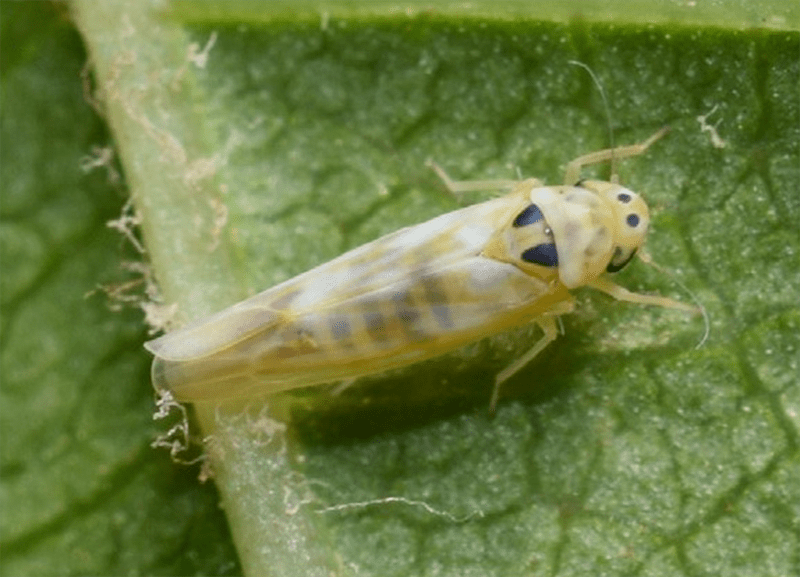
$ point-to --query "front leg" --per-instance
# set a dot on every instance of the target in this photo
(573, 171)
(622, 294)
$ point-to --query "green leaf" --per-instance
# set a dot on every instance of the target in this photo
(621, 450)
(82, 492)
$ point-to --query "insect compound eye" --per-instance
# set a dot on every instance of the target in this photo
(624, 197)
(542, 254)
(528, 216)
(615, 265)
(632, 220)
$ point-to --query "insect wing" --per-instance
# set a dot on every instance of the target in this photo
(410, 295)
(444, 239)
(406, 321)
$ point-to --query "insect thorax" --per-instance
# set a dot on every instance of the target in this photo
(573, 232)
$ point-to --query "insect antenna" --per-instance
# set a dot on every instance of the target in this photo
(613, 159)
(645, 258)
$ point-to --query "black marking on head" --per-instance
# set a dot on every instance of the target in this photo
(528, 216)
(632, 220)
(542, 254)
(614, 266)
(624, 197)
(580, 182)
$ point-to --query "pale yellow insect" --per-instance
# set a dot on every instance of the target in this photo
(421, 291)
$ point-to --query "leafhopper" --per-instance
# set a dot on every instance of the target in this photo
(422, 291)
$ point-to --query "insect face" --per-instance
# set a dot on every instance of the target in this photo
(631, 219)
(596, 227)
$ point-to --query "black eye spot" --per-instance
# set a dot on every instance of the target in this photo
(542, 254)
(624, 197)
(528, 216)
(618, 266)
(632, 220)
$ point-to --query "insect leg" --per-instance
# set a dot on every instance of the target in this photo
(573, 172)
(459, 186)
(623, 294)
(548, 325)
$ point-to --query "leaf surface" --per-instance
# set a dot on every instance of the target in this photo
(621, 450)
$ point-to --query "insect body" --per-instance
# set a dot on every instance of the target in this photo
(420, 292)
